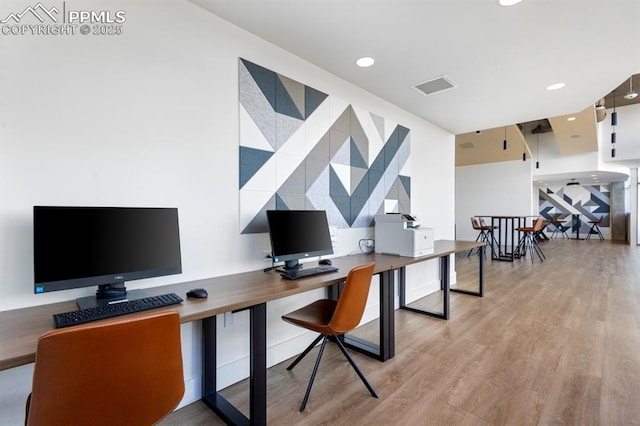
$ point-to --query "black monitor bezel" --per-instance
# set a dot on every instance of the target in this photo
(114, 280)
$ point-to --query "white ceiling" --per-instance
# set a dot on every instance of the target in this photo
(501, 58)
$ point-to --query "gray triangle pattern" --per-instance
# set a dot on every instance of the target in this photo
(257, 106)
(404, 198)
(317, 176)
(259, 222)
(343, 122)
(379, 123)
(295, 91)
(357, 175)
(295, 183)
(342, 153)
(321, 150)
(359, 137)
(285, 127)
(344, 144)
(293, 201)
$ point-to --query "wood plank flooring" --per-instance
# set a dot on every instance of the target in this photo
(553, 343)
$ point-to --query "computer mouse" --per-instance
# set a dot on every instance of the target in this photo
(325, 262)
(198, 293)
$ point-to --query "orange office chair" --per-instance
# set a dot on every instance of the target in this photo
(485, 234)
(529, 239)
(559, 227)
(125, 371)
(595, 229)
(333, 318)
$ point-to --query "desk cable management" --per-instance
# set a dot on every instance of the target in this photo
(367, 245)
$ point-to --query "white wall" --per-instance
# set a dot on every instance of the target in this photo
(150, 118)
(503, 188)
(633, 203)
(627, 135)
(551, 162)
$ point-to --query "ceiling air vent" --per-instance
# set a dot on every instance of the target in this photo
(435, 85)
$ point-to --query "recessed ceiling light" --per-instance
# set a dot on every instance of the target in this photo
(365, 62)
(555, 86)
(508, 2)
(571, 119)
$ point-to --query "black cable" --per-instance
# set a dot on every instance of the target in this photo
(366, 249)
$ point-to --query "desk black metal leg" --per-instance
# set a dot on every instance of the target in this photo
(223, 409)
(257, 366)
(386, 349)
(445, 280)
(499, 238)
(444, 286)
(480, 292)
(481, 276)
(209, 354)
(402, 291)
(387, 316)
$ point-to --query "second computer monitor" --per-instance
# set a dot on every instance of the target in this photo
(298, 234)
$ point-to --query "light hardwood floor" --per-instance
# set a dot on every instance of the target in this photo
(553, 343)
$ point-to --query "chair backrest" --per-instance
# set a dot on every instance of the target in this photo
(537, 226)
(118, 372)
(475, 224)
(353, 299)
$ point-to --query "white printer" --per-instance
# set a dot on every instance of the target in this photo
(402, 235)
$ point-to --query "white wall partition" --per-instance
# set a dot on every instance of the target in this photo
(492, 189)
(627, 134)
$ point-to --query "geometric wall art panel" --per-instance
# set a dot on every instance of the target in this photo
(591, 202)
(301, 149)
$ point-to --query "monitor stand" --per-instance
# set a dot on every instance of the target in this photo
(93, 301)
(290, 265)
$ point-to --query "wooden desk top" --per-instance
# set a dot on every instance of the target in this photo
(21, 328)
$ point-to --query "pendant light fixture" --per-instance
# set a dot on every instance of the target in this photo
(524, 149)
(537, 150)
(614, 123)
(631, 94)
(504, 142)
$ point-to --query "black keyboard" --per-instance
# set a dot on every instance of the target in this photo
(307, 272)
(125, 307)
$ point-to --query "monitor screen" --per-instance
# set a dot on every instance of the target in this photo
(298, 234)
(103, 246)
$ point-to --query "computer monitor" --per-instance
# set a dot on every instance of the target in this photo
(103, 246)
(298, 234)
